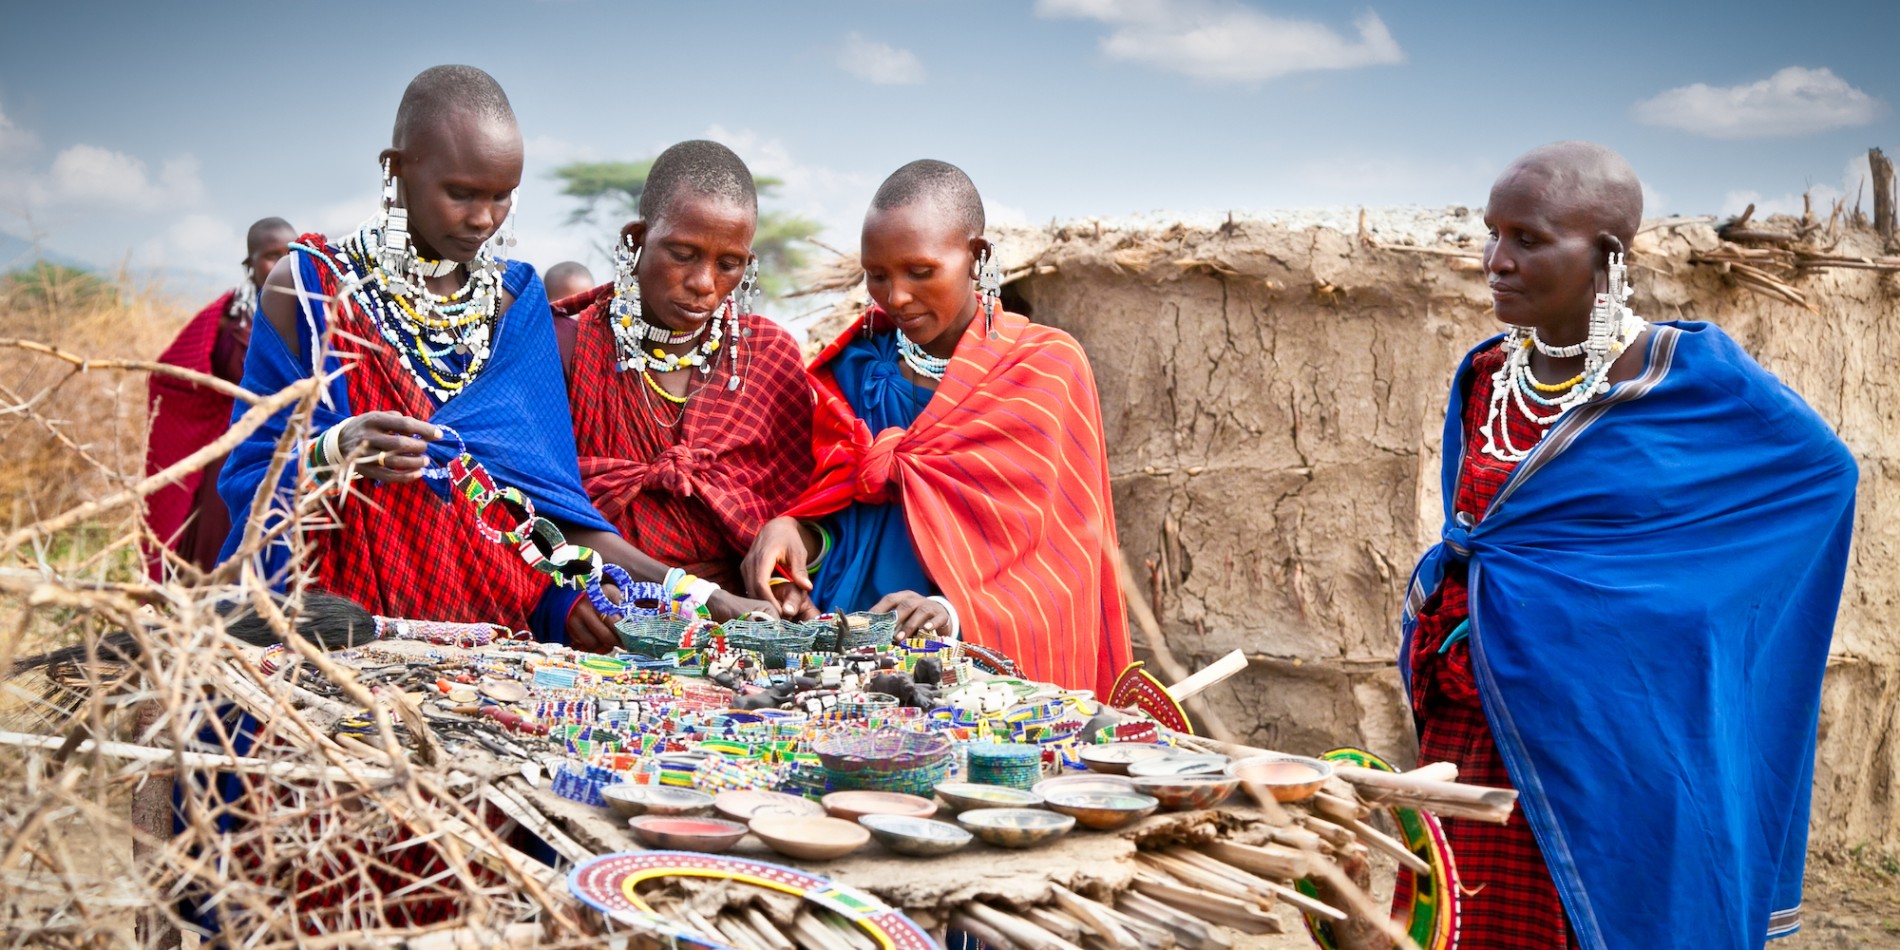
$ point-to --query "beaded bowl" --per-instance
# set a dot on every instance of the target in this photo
(650, 636)
(773, 639)
(887, 759)
(843, 633)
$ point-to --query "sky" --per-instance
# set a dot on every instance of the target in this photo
(148, 136)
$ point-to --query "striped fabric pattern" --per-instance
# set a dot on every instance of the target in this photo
(1004, 483)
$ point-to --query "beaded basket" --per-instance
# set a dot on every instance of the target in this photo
(650, 636)
(771, 638)
(860, 630)
(885, 760)
(865, 705)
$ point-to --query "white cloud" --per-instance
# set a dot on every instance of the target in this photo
(1654, 202)
(1855, 185)
(1794, 101)
(1225, 41)
(88, 176)
(878, 62)
(199, 243)
(1004, 216)
(16, 144)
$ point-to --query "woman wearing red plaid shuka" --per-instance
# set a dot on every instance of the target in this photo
(692, 414)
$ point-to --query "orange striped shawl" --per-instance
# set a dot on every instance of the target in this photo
(1004, 483)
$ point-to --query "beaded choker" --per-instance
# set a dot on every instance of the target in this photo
(430, 332)
(920, 361)
(1613, 327)
(631, 336)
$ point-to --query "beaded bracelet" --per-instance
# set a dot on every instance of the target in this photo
(824, 548)
(598, 596)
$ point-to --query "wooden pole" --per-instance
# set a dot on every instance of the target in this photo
(1882, 169)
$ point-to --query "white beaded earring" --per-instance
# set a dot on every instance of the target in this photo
(989, 284)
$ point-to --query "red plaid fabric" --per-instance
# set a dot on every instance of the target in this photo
(1508, 899)
(691, 485)
(189, 517)
(400, 550)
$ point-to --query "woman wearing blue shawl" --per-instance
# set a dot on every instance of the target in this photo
(1628, 616)
(447, 349)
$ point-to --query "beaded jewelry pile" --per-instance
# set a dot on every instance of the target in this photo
(1613, 327)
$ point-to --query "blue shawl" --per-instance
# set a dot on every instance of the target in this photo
(1652, 597)
(871, 554)
(513, 418)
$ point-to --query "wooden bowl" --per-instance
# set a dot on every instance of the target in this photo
(749, 804)
(674, 833)
(810, 839)
(851, 806)
(1115, 757)
(1016, 827)
(1181, 763)
(1288, 778)
(1187, 792)
(964, 796)
(1103, 812)
(916, 837)
(1095, 783)
(635, 800)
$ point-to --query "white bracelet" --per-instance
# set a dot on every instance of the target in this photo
(956, 628)
(330, 445)
(701, 591)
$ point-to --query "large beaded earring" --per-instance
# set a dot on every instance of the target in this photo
(394, 224)
(740, 302)
(989, 285)
(624, 313)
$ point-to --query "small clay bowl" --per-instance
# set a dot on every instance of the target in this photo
(673, 833)
(1187, 792)
(1180, 764)
(964, 796)
(1103, 812)
(810, 839)
(1092, 783)
(634, 800)
(746, 805)
(915, 837)
(1016, 827)
(851, 806)
(1115, 757)
(1288, 778)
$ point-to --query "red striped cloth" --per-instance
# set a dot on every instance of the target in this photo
(1004, 483)
(401, 551)
(1509, 899)
(189, 517)
(691, 494)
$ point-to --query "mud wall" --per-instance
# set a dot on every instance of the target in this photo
(1273, 395)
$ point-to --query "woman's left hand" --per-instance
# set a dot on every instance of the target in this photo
(916, 614)
(588, 631)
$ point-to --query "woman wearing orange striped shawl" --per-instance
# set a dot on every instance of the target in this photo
(961, 480)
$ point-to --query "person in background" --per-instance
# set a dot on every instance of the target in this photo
(566, 279)
(187, 519)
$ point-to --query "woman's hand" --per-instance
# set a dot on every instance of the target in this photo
(726, 605)
(388, 446)
(780, 544)
(588, 631)
(916, 614)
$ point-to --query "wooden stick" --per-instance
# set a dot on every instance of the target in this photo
(1383, 842)
(1185, 928)
(200, 760)
(1021, 932)
(990, 936)
(1241, 915)
(1209, 675)
(1435, 772)
(1097, 916)
(1307, 904)
(1252, 882)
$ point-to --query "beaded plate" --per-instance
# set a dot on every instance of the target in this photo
(1431, 916)
(1137, 688)
(608, 884)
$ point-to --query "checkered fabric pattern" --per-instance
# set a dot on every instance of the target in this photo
(400, 550)
(1508, 901)
(691, 493)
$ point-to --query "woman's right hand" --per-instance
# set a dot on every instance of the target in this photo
(388, 446)
(780, 544)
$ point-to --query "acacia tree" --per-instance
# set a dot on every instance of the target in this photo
(613, 188)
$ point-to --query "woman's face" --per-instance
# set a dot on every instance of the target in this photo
(692, 257)
(920, 267)
(1542, 257)
(458, 180)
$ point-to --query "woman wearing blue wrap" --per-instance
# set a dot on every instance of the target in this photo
(1628, 616)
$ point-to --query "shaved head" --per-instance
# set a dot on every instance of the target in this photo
(440, 92)
(703, 167)
(1586, 181)
(940, 184)
(268, 231)
(567, 279)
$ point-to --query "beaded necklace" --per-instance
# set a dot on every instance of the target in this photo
(1613, 327)
(425, 329)
(919, 360)
(629, 338)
